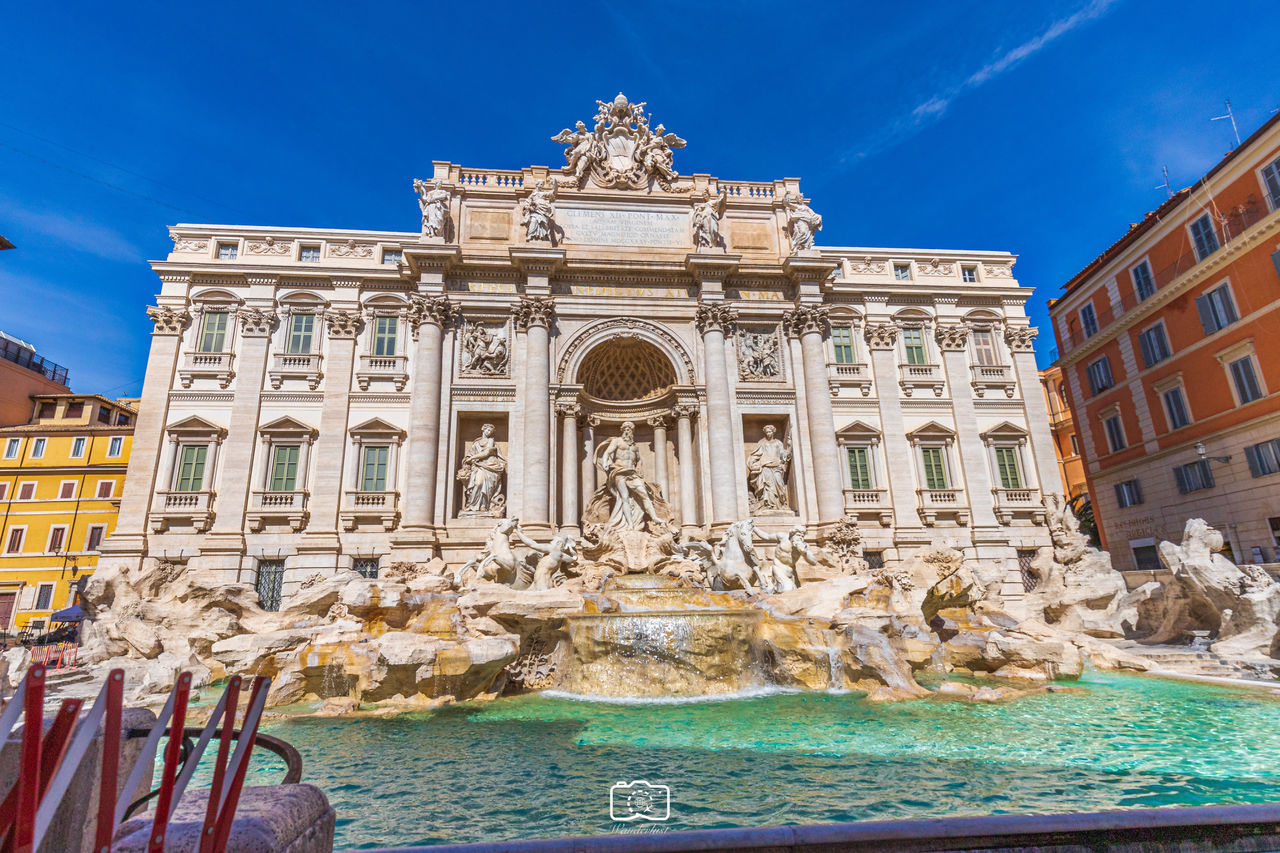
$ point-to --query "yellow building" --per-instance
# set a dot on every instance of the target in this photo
(61, 476)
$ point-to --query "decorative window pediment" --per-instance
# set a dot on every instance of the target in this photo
(195, 427)
(298, 301)
(1005, 431)
(377, 429)
(286, 428)
(216, 299)
(858, 432)
(932, 431)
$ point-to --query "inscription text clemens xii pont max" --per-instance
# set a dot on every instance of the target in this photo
(623, 227)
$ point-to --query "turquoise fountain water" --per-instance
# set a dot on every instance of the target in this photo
(543, 766)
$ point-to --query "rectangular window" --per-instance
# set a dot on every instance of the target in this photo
(301, 332)
(44, 596)
(969, 274)
(11, 448)
(1115, 433)
(4, 491)
(94, 539)
(366, 567)
(392, 256)
(1075, 445)
(1089, 320)
(1245, 379)
(842, 341)
(913, 345)
(1128, 493)
(310, 254)
(67, 490)
(284, 468)
(902, 272)
(122, 419)
(37, 448)
(74, 410)
(1217, 309)
(106, 488)
(191, 468)
(984, 348)
(77, 448)
(935, 472)
(1100, 375)
(374, 473)
(227, 251)
(1146, 558)
(270, 583)
(1143, 283)
(1007, 467)
(1263, 458)
(1175, 407)
(1193, 476)
(384, 336)
(104, 415)
(1271, 178)
(860, 467)
(14, 545)
(1206, 239)
(26, 491)
(56, 537)
(213, 332)
(1154, 345)
(46, 410)
(115, 447)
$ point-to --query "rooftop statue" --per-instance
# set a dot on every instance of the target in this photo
(621, 152)
(433, 198)
(706, 221)
(802, 223)
(538, 214)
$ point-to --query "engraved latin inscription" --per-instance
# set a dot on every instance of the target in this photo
(623, 227)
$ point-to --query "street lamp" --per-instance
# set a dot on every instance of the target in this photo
(1202, 452)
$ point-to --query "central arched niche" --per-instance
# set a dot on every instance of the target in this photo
(625, 369)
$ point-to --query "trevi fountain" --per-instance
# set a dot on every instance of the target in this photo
(484, 561)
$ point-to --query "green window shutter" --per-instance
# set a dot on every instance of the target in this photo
(191, 468)
(859, 468)
(935, 474)
(213, 335)
(375, 469)
(284, 468)
(1007, 464)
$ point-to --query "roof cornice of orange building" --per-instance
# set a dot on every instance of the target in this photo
(1160, 213)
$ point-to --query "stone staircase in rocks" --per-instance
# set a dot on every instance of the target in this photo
(1190, 660)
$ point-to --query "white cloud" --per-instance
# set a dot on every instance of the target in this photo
(79, 233)
(936, 105)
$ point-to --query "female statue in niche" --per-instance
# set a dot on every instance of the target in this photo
(482, 469)
(767, 471)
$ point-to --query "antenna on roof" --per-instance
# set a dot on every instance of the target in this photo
(1231, 116)
(1165, 186)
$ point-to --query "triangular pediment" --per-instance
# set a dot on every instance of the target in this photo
(858, 430)
(287, 426)
(1005, 429)
(932, 429)
(378, 427)
(195, 425)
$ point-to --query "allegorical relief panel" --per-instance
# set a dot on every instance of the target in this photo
(484, 350)
(758, 354)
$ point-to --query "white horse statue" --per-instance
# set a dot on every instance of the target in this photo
(732, 561)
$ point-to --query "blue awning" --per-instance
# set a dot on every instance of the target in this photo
(69, 614)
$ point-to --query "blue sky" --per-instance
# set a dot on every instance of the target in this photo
(1034, 127)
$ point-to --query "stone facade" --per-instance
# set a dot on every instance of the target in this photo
(316, 399)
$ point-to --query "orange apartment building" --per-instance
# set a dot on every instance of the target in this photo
(1170, 345)
(1066, 444)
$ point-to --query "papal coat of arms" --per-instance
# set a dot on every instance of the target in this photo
(622, 151)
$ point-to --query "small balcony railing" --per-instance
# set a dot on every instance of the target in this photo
(383, 367)
(303, 366)
(850, 376)
(268, 507)
(183, 509)
(1015, 503)
(872, 503)
(997, 376)
(913, 376)
(362, 507)
(936, 503)
(207, 365)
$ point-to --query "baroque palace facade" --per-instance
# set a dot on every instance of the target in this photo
(319, 399)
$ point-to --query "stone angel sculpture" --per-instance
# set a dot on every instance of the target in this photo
(706, 221)
(583, 150)
(802, 223)
(538, 214)
(433, 198)
(654, 154)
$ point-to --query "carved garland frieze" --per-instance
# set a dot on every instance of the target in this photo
(167, 321)
(533, 311)
(256, 322)
(881, 336)
(806, 319)
(936, 268)
(269, 246)
(866, 266)
(351, 249)
(1021, 338)
(343, 324)
(997, 270)
(185, 244)
(720, 318)
(952, 338)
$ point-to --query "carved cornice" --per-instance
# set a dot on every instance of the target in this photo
(952, 338)
(882, 336)
(717, 317)
(1021, 338)
(431, 309)
(167, 321)
(533, 311)
(254, 322)
(806, 319)
(343, 324)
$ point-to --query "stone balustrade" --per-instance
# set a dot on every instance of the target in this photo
(287, 508)
(303, 366)
(936, 503)
(380, 508)
(913, 376)
(207, 365)
(183, 509)
(997, 376)
(390, 368)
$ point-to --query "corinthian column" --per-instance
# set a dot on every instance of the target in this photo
(713, 322)
(809, 324)
(428, 317)
(533, 316)
(688, 482)
(659, 425)
(570, 483)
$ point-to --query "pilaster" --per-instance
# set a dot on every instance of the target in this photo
(900, 467)
(329, 483)
(533, 316)
(1021, 341)
(809, 323)
(714, 322)
(952, 340)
